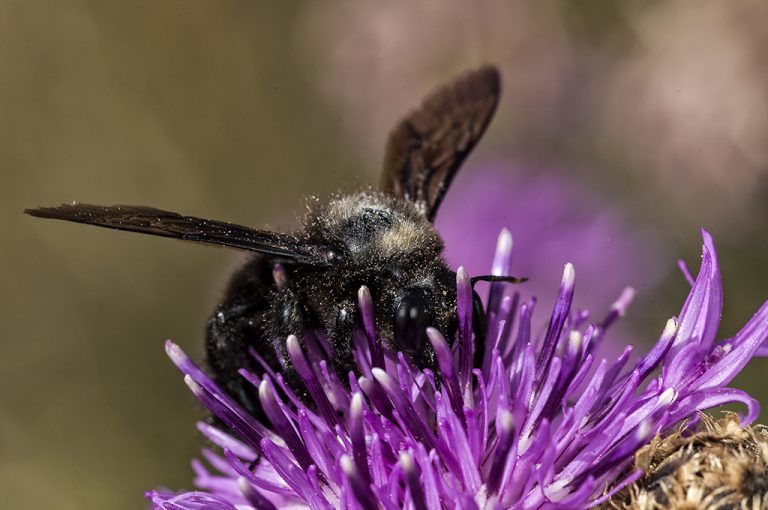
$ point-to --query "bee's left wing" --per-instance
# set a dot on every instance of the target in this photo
(426, 149)
(148, 220)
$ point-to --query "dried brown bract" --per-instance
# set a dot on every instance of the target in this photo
(721, 467)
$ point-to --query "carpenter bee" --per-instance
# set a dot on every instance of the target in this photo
(383, 239)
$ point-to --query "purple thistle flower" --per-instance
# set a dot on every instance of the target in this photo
(555, 218)
(541, 424)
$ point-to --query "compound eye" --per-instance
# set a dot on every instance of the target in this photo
(330, 257)
(411, 322)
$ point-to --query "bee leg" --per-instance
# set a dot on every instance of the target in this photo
(288, 319)
(231, 330)
(237, 325)
(292, 319)
(479, 329)
(342, 342)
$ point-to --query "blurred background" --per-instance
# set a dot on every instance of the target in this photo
(624, 128)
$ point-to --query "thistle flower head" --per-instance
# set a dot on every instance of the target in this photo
(540, 423)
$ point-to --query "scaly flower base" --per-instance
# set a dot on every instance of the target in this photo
(721, 466)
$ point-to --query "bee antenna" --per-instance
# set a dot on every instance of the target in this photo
(496, 278)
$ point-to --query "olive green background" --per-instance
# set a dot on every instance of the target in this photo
(210, 108)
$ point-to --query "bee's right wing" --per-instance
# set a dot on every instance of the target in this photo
(426, 149)
(147, 220)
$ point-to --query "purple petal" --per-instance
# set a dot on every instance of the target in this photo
(631, 478)
(740, 350)
(464, 312)
(189, 501)
(365, 302)
(357, 434)
(708, 399)
(310, 380)
(700, 315)
(502, 451)
(254, 497)
(413, 422)
(445, 362)
(559, 316)
(232, 417)
(619, 307)
(649, 362)
(288, 471)
(283, 426)
(225, 441)
(413, 482)
(187, 367)
(362, 491)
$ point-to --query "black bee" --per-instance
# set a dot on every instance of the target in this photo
(383, 239)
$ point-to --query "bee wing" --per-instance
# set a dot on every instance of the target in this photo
(426, 148)
(148, 220)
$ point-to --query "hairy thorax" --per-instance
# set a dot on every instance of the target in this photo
(383, 243)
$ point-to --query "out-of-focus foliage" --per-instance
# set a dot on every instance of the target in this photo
(236, 109)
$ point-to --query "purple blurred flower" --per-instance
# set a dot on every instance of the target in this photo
(553, 219)
(550, 214)
(541, 424)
